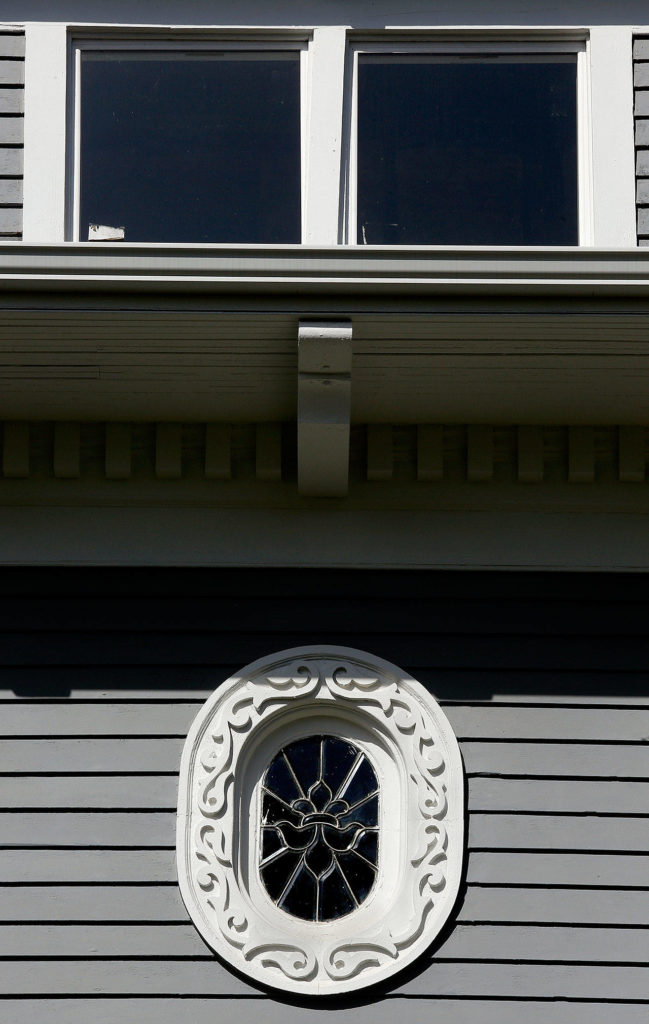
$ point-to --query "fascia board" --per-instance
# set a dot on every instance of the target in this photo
(339, 269)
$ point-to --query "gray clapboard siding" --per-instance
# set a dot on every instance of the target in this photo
(142, 792)
(381, 1011)
(467, 942)
(641, 83)
(469, 722)
(122, 866)
(614, 761)
(160, 792)
(162, 903)
(208, 977)
(558, 868)
(577, 796)
(539, 677)
(12, 78)
(486, 831)
(12, 101)
(31, 866)
(555, 906)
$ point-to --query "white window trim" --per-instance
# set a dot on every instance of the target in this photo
(607, 138)
(393, 719)
(443, 45)
(203, 42)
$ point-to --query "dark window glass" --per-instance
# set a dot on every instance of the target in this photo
(319, 829)
(182, 148)
(467, 151)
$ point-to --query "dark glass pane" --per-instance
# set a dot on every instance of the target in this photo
(368, 846)
(318, 828)
(366, 813)
(359, 875)
(275, 810)
(338, 760)
(468, 152)
(335, 897)
(277, 873)
(271, 842)
(301, 896)
(361, 783)
(191, 149)
(304, 759)
(279, 780)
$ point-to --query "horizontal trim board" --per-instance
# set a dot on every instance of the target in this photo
(163, 903)
(86, 866)
(466, 942)
(486, 831)
(116, 756)
(339, 270)
(161, 977)
(477, 722)
(382, 1010)
(159, 793)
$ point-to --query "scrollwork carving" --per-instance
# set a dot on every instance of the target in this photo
(392, 927)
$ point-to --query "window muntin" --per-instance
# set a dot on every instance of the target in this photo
(189, 145)
(319, 829)
(478, 145)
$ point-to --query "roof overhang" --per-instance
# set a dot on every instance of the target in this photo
(470, 335)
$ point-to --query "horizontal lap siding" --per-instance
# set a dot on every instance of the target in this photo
(12, 90)
(544, 680)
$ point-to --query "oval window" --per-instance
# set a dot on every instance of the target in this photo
(319, 828)
(320, 820)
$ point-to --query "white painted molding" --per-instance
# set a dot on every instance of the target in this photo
(344, 274)
(324, 407)
(415, 756)
(323, 147)
(611, 72)
(45, 132)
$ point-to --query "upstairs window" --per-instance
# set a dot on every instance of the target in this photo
(188, 144)
(471, 147)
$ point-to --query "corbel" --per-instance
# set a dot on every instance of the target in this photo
(324, 407)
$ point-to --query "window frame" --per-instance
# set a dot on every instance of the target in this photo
(459, 46)
(396, 721)
(144, 41)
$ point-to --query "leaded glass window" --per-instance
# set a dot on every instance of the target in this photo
(319, 829)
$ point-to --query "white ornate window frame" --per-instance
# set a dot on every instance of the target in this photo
(413, 749)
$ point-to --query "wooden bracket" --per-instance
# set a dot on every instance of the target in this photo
(324, 407)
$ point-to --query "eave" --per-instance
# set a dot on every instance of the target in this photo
(191, 333)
